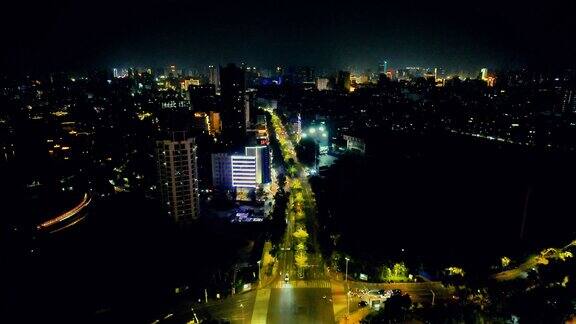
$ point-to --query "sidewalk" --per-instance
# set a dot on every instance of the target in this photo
(418, 291)
(265, 279)
(338, 298)
(355, 317)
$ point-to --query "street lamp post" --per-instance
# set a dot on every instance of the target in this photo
(347, 305)
(234, 281)
(259, 279)
(195, 317)
(347, 290)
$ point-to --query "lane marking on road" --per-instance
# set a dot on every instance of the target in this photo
(315, 283)
(260, 312)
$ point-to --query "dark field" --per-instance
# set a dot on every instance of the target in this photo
(449, 200)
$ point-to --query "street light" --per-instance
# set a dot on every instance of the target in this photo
(259, 280)
(347, 259)
(195, 317)
(347, 290)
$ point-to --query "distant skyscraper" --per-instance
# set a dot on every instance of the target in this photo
(201, 122)
(383, 67)
(298, 75)
(305, 74)
(232, 90)
(430, 76)
(484, 74)
(343, 81)
(279, 71)
(120, 73)
(359, 79)
(186, 83)
(202, 97)
(178, 175)
(251, 76)
(322, 84)
(214, 76)
(172, 71)
(249, 108)
(215, 123)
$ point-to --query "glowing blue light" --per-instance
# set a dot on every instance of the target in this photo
(312, 130)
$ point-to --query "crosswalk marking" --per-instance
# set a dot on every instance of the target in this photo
(303, 284)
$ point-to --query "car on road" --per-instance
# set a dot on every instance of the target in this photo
(286, 278)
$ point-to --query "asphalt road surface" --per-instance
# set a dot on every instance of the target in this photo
(300, 305)
(235, 309)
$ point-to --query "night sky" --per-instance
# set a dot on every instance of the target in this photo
(70, 35)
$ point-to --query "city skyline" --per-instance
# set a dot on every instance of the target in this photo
(278, 198)
(174, 162)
